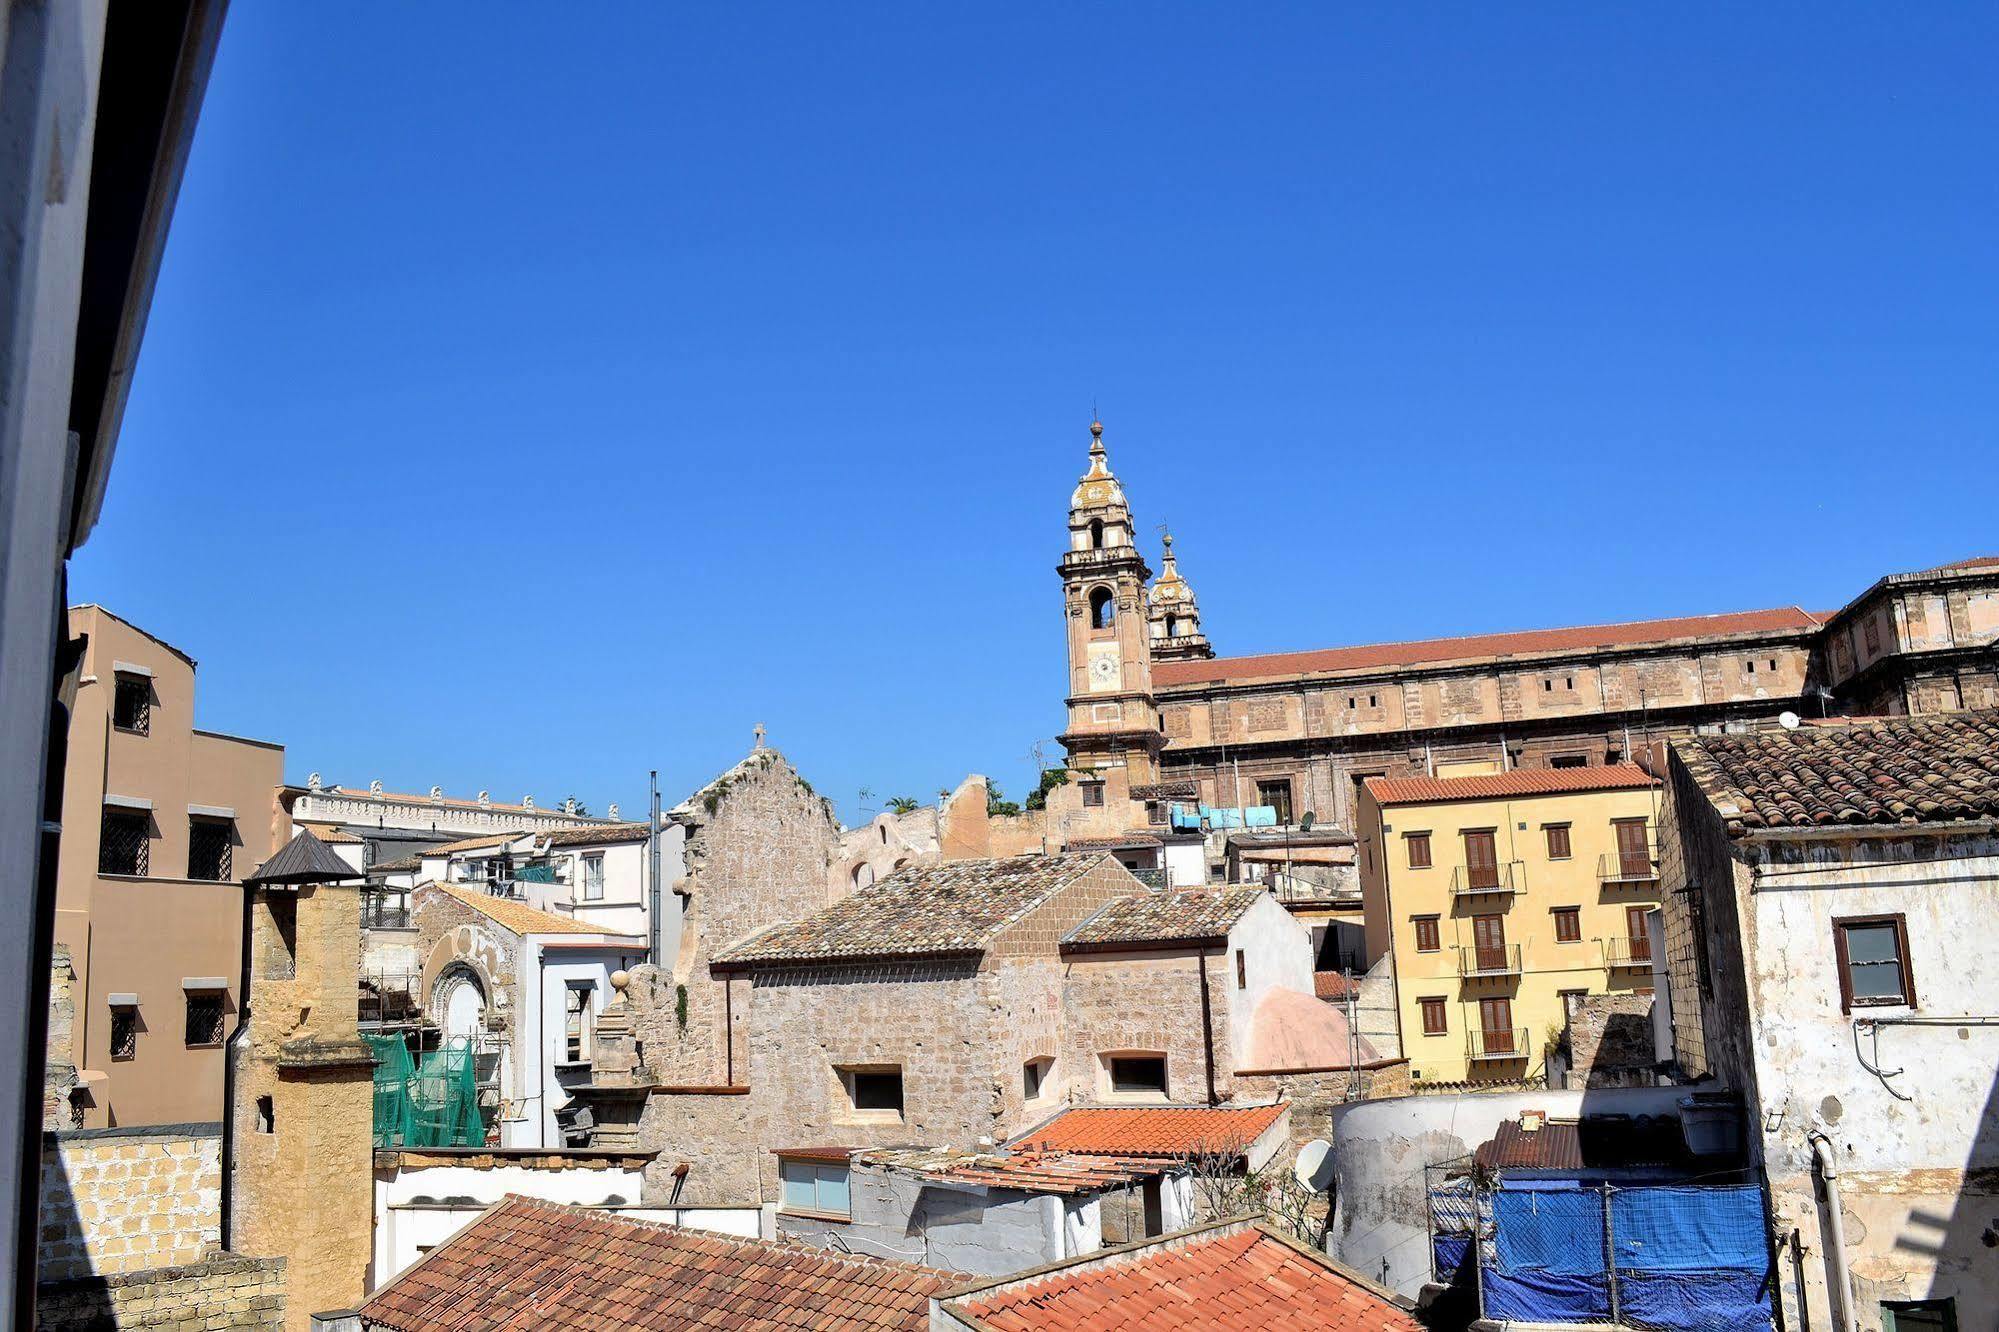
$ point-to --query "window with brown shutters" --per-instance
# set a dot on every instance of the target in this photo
(1419, 849)
(1426, 935)
(1481, 858)
(1436, 1019)
(1568, 924)
(1558, 840)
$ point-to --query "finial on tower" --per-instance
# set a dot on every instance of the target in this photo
(758, 731)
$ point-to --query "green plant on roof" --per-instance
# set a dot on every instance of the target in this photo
(902, 804)
(1050, 779)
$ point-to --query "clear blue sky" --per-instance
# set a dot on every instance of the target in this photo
(535, 395)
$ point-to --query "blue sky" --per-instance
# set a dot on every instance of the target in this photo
(536, 396)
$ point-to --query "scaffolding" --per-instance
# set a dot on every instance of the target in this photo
(428, 1102)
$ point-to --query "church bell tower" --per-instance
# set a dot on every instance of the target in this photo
(1113, 721)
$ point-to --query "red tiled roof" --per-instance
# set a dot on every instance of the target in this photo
(1599, 1142)
(1388, 656)
(530, 1266)
(1151, 1130)
(1332, 985)
(1501, 785)
(1219, 1279)
(1184, 915)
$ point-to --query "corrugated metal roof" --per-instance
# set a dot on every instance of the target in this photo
(304, 859)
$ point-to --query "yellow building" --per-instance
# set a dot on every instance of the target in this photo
(1499, 894)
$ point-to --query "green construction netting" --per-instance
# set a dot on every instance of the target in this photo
(432, 1102)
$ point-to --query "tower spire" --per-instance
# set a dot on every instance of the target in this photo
(1174, 615)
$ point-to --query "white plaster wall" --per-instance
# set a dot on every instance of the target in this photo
(899, 1216)
(1186, 864)
(542, 1028)
(1277, 954)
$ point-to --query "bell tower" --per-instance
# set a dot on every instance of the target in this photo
(1113, 721)
(1175, 616)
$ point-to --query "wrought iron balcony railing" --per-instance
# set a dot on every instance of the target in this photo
(1505, 1044)
(1479, 880)
(1627, 953)
(1474, 961)
(385, 913)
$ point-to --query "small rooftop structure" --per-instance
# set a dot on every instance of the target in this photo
(530, 1264)
(1171, 1131)
(1223, 1277)
(1533, 1142)
(1899, 771)
(953, 909)
(304, 859)
(1503, 785)
(1183, 916)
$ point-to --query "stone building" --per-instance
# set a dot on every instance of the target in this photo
(1827, 893)
(1154, 717)
(161, 821)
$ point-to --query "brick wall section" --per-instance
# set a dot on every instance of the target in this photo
(1699, 877)
(224, 1291)
(1314, 1096)
(1610, 1040)
(120, 1200)
(1146, 1002)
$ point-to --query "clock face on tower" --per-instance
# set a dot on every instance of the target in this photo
(1103, 671)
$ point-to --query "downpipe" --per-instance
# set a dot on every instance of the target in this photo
(1838, 1284)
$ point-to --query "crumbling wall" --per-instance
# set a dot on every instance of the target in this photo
(125, 1199)
(61, 1102)
(221, 1291)
(1610, 1040)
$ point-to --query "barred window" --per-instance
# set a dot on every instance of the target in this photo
(132, 704)
(204, 1017)
(123, 842)
(124, 1031)
(209, 848)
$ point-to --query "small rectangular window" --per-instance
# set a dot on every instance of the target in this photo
(1568, 924)
(814, 1186)
(877, 1090)
(1034, 1077)
(1276, 795)
(1426, 935)
(124, 842)
(1093, 794)
(1873, 953)
(204, 1017)
(1138, 1075)
(210, 847)
(132, 704)
(1558, 840)
(577, 1018)
(1919, 1315)
(593, 878)
(1436, 1021)
(1419, 849)
(1371, 703)
(1569, 761)
(1241, 971)
(124, 1031)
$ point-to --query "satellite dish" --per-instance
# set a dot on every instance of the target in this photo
(1788, 720)
(1314, 1166)
(1305, 824)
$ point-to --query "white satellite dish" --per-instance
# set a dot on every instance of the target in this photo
(1788, 720)
(1314, 1166)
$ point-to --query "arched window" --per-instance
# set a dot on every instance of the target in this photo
(1096, 534)
(458, 1003)
(1172, 625)
(1103, 612)
(884, 833)
(864, 875)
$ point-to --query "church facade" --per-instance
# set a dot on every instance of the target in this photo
(1156, 718)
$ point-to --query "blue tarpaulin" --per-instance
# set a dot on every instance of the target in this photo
(1454, 1264)
(1714, 1301)
(1556, 1233)
(1547, 1297)
(1689, 1229)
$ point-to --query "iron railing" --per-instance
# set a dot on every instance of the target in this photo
(1504, 1044)
(1478, 880)
(1474, 961)
(1627, 953)
(391, 998)
(385, 911)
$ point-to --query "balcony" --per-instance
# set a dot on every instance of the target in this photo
(1486, 880)
(385, 911)
(1487, 1045)
(391, 999)
(1476, 963)
(1630, 867)
(1623, 953)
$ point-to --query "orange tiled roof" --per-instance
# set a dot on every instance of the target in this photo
(1151, 1130)
(1217, 1279)
(530, 1266)
(1332, 985)
(1390, 656)
(479, 843)
(1501, 785)
(1184, 915)
(518, 917)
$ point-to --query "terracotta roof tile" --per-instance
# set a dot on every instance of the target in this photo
(1152, 1130)
(1390, 656)
(1599, 1142)
(473, 843)
(1029, 1172)
(604, 834)
(1333, 985)
(1187, 915)
(529, 1266)
(518, 917)
(1502, 785)
(1901, 770)
(1219, 1279)
(951, 909)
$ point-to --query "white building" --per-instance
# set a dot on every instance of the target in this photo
(599, 875)
(1830, 892)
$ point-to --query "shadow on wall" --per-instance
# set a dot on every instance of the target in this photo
(1965, 1244)
(69, 1292)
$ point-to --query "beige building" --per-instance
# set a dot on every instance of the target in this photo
(161, 821)
(1498, 896)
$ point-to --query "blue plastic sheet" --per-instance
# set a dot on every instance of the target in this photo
(1454, 1264)
(1559, 1234)
(1671, 1229)
(1547, 1297)
(1716, 1301)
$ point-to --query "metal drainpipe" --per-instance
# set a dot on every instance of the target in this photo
(1839, 1285)
(1207, 1027)
(230, 1054)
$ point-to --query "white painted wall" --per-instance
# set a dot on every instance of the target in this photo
(1277, 954)
(546, 968)
(1186, 864)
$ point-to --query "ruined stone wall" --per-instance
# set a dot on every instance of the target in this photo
(60, 1102)
(1610, 1040)
(1315, 1096)
(222, 1291)
(449, 932)
(121, 1200)
(720, 1138)
(1698, 880)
